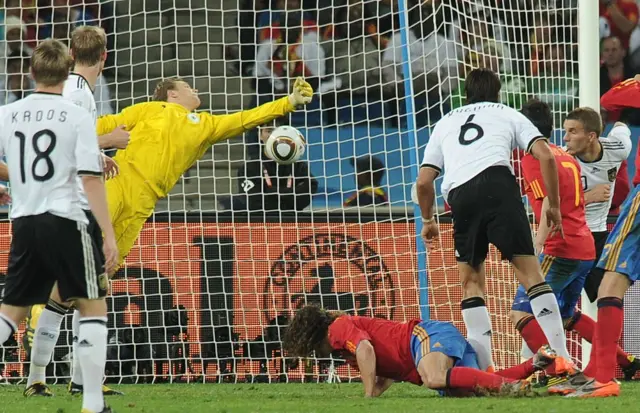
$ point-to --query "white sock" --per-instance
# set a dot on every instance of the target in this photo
(7, 328)
(92, 352)
(44, 342)
(545, 308)
(476, 319)
(525, 352)
(76, 369)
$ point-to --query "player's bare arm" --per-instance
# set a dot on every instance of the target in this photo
(4, 172)
(599, 193)
(116, 139)
(542, 152)
(366, 358)
(425, 189)
(543, 228)
(5, 198)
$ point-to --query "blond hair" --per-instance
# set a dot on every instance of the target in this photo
(50, 63)
(161, 93)
(88, 44)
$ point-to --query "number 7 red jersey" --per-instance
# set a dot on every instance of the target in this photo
(577, 243)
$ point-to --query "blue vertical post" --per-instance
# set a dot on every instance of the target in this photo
(412, 140)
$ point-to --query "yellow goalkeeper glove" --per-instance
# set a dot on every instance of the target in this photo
(301, 93)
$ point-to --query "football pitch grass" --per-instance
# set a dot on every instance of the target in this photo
(307, 398)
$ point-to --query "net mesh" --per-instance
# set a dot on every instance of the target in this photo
(206, 291)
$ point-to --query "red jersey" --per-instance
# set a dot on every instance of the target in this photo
(390, 340)
(621, 189)
(629, 9)
(624, 95)
(577, 243)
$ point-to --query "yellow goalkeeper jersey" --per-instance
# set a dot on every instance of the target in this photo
(166, 139)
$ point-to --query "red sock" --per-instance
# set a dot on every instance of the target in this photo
(468, 379)
(608, 330)
(519, 371)
(586, 327)
(590, 370)
(532, 333)
(534, 337)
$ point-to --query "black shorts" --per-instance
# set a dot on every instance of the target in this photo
(95, 233)
(46, 249)
(489, 209)
(592, 283)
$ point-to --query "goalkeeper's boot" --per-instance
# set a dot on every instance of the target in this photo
(37, 388)
(630, 370)
(569, 385)
(594, 388)
(520, 388)
(544, 357)
(77, 389)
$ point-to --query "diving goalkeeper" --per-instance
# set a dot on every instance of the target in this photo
(166, 139)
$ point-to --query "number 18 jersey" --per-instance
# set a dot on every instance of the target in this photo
(472, 138)
(48, 141)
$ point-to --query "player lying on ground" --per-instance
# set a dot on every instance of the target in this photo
(565, 261)
(429, 353)
(89, 52)
(166, 139)
(621, 263)
(472, 146)
(48, 142)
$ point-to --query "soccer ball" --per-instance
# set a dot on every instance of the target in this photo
(285, 145)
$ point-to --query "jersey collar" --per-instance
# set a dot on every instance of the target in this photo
(83, 79)
(46, 93)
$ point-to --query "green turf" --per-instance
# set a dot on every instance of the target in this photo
(308, 398)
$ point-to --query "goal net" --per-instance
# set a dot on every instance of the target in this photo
(206, 293)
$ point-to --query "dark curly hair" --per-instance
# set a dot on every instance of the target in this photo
(308, 330)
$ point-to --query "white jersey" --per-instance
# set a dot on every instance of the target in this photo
(48, 141)
(472, 138)
(616, 147)
(77, 89)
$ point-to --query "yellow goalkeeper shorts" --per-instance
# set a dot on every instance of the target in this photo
(131, 203)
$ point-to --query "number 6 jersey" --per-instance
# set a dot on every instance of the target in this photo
(616, 147)
(470, 139)
(48, 141)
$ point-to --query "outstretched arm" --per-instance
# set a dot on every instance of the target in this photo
(227, 126)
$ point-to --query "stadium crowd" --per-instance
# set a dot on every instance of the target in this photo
(352, 49)
(25, 22)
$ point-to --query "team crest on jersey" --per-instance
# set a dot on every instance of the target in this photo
(193, 117)
(612, 173)
(335, 271)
